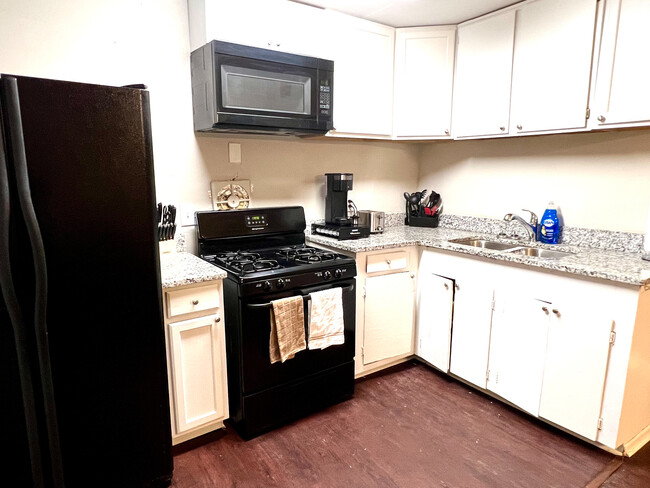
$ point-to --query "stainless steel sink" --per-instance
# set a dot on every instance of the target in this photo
(474, 242)
(540, 253)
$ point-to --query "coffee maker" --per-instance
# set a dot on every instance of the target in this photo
(337, 222)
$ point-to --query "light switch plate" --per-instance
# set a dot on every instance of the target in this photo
(234, 152)
(187, 214)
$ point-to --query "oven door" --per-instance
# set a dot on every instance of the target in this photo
(257, 371)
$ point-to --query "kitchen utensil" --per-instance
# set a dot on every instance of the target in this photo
(423, 196)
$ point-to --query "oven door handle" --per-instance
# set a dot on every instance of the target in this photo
(304, 297)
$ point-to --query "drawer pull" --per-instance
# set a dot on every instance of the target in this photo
(217, 319)
(388, 261)
(545, 310)
(195, 302)
(556, 312)
(446, 286)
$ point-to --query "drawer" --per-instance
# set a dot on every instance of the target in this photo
(195, 299)
(390, 261)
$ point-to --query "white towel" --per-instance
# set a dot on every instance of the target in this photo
(287, 329)
(326, 319)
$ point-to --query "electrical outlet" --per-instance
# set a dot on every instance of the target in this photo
(187, 215)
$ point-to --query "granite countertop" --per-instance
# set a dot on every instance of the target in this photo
(617, 266)
(183, 268)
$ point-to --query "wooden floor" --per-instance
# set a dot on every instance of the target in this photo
(409, 427)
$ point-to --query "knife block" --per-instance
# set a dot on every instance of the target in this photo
(167, 247)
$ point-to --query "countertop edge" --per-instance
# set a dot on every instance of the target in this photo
(586, 262)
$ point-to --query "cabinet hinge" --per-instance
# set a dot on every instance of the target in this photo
(588, 114)
(612, 337)
(599, 424)
(487, 375)
(362, 353)
(492, 305)
(364, 292)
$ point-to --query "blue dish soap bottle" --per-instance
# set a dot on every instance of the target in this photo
(550, 226)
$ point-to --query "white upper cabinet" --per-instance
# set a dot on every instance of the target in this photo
(622, 94)
(270, 24)
(424, 71)
(363, 76)
(483, 76)
(552, 65)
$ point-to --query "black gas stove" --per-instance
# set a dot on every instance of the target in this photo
(264, 253)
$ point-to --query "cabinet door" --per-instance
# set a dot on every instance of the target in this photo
(470, 337)
(552, 65)
(269, 24)
(622, 94)
(576, 364)
(424, 70)
(518, 349)
(389, 314)
(483, 76)
(434, 306)
(198, 371)
(363, 76)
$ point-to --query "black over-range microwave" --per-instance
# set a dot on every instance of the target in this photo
(245, 89)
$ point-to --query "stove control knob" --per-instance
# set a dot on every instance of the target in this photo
(337, 273)
(266, 285)
(327, 275)
(280, 283)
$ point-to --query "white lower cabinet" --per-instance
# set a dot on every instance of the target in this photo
(575, 365)
(435, 304)
(196, 351)
(570, 350)
(518, 349)
(196, 359)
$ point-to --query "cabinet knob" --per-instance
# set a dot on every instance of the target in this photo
(502, 128)
(519, 126)
(456, 286)
(446, 286)
(388, 261)
(545, 310)
(195, 302)
(556, 312)
(601, 118)
(412, 275)
(217, 319)
(447, 132)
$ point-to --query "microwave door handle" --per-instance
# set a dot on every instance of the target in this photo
(17, 321)
(12, 108)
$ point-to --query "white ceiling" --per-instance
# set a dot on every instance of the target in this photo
(410, 13)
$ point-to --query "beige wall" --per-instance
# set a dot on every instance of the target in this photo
(600, 180)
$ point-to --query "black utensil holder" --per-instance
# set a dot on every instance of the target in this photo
(420, 219)
(428, 221)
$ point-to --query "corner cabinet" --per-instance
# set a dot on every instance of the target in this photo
(622, 95)
(424, 73)
(196, 359)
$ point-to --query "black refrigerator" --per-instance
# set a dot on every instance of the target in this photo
(83, 374)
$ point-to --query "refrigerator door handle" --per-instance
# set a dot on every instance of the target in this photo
(12, 109)
(17, 322)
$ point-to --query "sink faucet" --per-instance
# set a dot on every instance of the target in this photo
(533, 221)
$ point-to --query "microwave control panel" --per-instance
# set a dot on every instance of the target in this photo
(325, 94)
